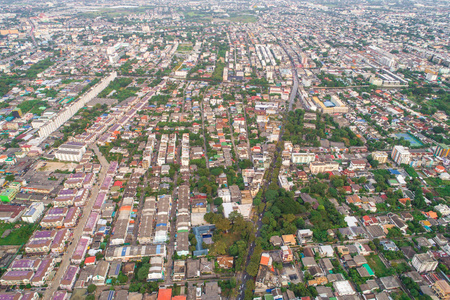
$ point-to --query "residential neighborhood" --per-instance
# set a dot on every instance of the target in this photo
(224, 150)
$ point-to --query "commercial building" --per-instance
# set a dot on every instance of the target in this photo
(8, 194)
(320, 167)
(401, 155)
(33, 213)
(332, 106)
(146, 225)
(126, 253)
(71, 151)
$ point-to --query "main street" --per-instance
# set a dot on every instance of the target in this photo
(245, 276)
(78, 231)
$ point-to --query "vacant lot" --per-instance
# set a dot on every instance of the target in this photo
(51, 166)
(377, 265)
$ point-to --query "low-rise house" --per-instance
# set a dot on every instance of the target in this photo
(225, 262)
(276, 241)
(179, 270)
(100, 273)
(206, 266)
(289, 240)
(326, 251)
(42, 272)
(443, 209)
(16, 278)
(192, 268)
(309, 262)
(287, 255)
(304, 236)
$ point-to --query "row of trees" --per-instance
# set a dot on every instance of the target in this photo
(232, 236)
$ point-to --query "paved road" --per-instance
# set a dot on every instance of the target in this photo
(204, 138)
(245, 276)
(173, 225)
(78, 231)
(232, 142)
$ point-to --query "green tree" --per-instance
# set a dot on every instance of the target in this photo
(142, 273)
(91, 288)
(122, 278)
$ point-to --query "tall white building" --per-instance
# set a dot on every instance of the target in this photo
(424, 262)
(54, 123)
(401, 155)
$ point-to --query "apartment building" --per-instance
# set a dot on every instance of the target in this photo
(442, 289)
(442, 150)
(401, 155)
(424, 262)
(380, 156)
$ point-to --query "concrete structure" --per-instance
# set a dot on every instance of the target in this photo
(68, 112)
(401, 155)
(442, 289)
(320, 167)
(71, 151)
(302, 158)
(34, 212)
(424, 262)
(380, 156)
(442, 150)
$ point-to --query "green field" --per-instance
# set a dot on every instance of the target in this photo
(377, 265)
(185, 47)
(197, 16)
(243, 18)
(18, 236)
(114, 12)
(206, 16)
